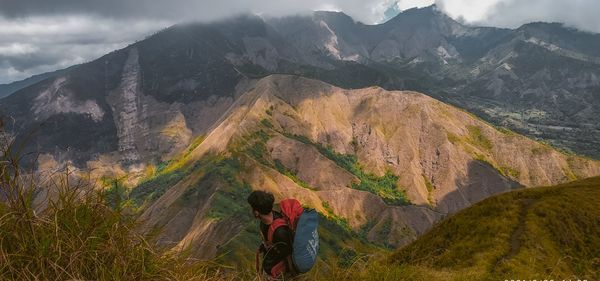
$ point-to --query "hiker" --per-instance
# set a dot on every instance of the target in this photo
(277, 252)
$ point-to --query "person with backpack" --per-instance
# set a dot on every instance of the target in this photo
(275, 252)
(290, 237)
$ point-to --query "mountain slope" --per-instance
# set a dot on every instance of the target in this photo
(547, 232)
(7, 89)
(385, 164)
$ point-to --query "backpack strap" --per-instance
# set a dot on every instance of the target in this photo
(274, 226)
(279, 268)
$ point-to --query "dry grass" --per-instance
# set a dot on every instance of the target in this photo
(60, 227)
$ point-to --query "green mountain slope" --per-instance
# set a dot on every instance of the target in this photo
(540, 233)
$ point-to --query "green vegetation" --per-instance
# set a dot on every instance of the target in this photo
(548, 232)
(509, 172)
(335, 238)
(151, 189)
(569, 174)
(551, 231)
(454, 139)
(265, 122)
(269, 111)
(346, 257)
(430, 189)
(227, 204)
(385, 186)
(253, 145)
(181, 160)
(327, 207)
(229, 199)
(503, 170)
(505, 131)
(477, 138)
(290, 174)
(541, 149)
(194, 144)
(331, 216)
(386, 228)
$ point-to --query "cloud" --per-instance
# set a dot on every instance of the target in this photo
(42, 35)
(38, 44)
(581, 14)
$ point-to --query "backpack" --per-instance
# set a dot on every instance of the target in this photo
(304, 224)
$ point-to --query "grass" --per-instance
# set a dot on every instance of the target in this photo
(559, 236)
(230, 198)
(265, 122)
(253, 145)
(509, 172)
(64, 227)
(430, 189)
(290, 174)
(151, 189)
(503, 170)
(182, 159)
(331, 216)
(384, 186)
(477, 138)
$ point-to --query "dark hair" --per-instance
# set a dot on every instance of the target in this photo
(261, 201)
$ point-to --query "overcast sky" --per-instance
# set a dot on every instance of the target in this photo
(37, 36)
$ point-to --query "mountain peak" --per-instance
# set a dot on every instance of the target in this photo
(334, 17)
(420, 16)
(431, 10)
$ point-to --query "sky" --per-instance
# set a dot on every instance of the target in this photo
(37, 36)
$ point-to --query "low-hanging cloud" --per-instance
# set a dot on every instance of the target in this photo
(40, 35)
(39, 44)
(581, 14)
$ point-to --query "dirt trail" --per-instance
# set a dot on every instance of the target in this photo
(515, 238)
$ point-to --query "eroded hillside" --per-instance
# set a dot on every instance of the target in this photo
(386, 165)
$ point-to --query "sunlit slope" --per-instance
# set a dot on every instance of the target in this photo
(385, 164)
(540, 233)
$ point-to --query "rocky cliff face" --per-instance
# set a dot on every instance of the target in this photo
(296, 137)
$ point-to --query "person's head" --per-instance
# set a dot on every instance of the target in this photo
(261, 202)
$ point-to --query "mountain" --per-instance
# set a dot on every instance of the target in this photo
(523, 235)
(539, 80)
(7, 89)
(385, 164)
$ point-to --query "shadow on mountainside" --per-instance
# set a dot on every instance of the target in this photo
(481, 181)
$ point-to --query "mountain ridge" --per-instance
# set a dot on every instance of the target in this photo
(270, 136)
